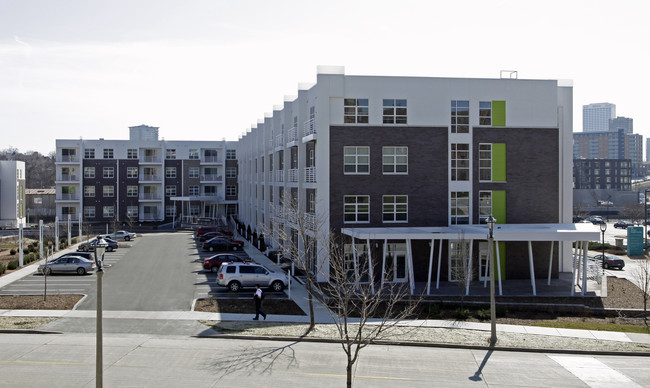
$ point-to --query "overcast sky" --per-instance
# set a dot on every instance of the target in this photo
(208, 70)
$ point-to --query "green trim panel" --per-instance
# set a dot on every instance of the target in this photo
(498, 113)
(499, 206)
(498, 162)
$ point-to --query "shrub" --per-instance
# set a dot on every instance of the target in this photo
(2, 268)
(434, 310)
(31, 248)
(13, 264)
(461, 314)
(484, 314)
(74, 240)
(12, 252)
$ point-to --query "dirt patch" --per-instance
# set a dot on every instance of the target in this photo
(246, 306)
(36, 302)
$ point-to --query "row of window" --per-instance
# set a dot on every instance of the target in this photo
(356, 160)
(108, 191)
(131, 211)
(132, 153)
(394, 111)
(170, 172)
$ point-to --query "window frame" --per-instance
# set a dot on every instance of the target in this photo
(193, 172)
(109, 153)
(89, 191)
(485, 162)
(89, 153)
(393, 207)
(394, 111)
(170, 172)
(170, 153)
(193, 190)
(454, 207)
(108, 172)
(356, 164)
(460, 123)
(132, 153)
(130, 213)
(355, 111)
(170, 191)
(484, 210)
(460, 167)
(395, 156)
(130, 192)
(88, 213)
(108, 211)
(356, 211)
(485, 113)
(108, 191)
(89, 172)
(130, 172)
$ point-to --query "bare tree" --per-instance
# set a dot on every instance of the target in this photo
(462, 269)
(633, 212)
(361, 314)
(642, 277)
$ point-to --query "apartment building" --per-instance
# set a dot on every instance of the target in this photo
(144, 179)
(610, 145)
(405, 170)
(12, 193)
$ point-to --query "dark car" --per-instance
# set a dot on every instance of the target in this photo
(209, 235)
(596, 220)
(213, 263)
(623, 224)
(221, 244)
(209, 229)
(611, 261)
(89, 246)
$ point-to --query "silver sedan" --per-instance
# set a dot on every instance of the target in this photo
(67, 264)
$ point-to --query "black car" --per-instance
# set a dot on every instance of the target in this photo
(220, 244)
(623, 224)
(610, 261)
(89, 246)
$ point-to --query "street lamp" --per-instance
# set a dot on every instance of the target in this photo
(100, 248)
(491, 221)
(603, 228)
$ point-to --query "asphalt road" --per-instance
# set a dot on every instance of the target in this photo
(156, 274)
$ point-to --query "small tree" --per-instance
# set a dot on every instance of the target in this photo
(642, 277)
(462, 271)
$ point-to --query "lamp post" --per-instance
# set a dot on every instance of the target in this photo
(491, 221)
(603, 228)
(100, 248)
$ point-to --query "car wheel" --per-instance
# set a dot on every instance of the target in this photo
(109, 249)
(234, 248)
(214, 269)
(84, 249)
(277, 286)
(211, 249)
(127, 238)
(234, 286)
(48, 271)
(606, 266)
(81, 271)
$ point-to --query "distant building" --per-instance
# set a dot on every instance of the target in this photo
(610, 145)
(41, 205)
(595, 117)
(614, 174)
(12, 193)
(622, 123)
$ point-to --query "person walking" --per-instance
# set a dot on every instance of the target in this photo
(258, 296)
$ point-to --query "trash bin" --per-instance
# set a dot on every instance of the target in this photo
(619, 243)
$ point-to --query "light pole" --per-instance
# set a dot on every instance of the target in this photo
(100, 248)
(603, 228)
(491, 221)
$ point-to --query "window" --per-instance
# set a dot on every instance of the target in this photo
(109, 211)
(170, 211)
(231, 172)
(170, 153)
(459, 162)
(355, 110)
(193, 191)
(485, 162)
(109, 191)
(458, 260)
(132, 211)
(109, 172)
(484, 205)
(459, 208)
(395, 160)
(395, 208)
(89, 211)
(356, 160)
(89, 153)
(231, 191)
(194, 210)
(194, 154)
(131, 191)
(485, 113)
(89, 172)
(89, 191)
(193, 172)
(231, 154)
(170, 172)
(459, 116)
(394, 111)
(132, 153)
(108, 153)
(131, 172)
(170, 191)
(356, 208)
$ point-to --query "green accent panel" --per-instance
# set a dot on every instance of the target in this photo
(498, 113)
(498, 162)
(499, 206)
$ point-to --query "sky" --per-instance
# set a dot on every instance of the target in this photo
(210, 69)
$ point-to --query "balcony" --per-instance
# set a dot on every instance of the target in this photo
(67, 178)
(293, 175)
(309, 130)
(292, 135)
(310, 221)
(309, 174)
(150, 197)
(150, 178)
(279, 176)
(212, 159)
(279, 142)
(151, 159)
(67, 197)
(211, 178)
(68, 159)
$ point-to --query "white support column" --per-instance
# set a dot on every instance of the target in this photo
(584, 271)
(40, 239)
(56, 233)
(439, 260)
(383, 263)
(433, 243)
(354, 257)
(550, 263)
(573, 266)
(80, 230)
(20, 245)
(69, 230)
(409, 263)
(487, 266)
(370, 271)
(498, 265)
(532, 268)
(469, 268)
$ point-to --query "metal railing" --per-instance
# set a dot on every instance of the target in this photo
(309, 127)
(310, 174)
(150, 178)
(279, 176)
(150, 196)
(293, 175)
(293, 134)
(151, 159)
(67, 197)
(212, 159)
(279, 140)
(68, 177)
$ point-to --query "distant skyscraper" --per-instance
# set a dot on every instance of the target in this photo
(595, 117)
(624, 123)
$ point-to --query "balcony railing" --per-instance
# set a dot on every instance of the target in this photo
(69, 158)
(279, 140)
(150, 178)
(211, 178)
(150, 196)
(293, 175)
(149, 217)
(293, 134)
(310, 221)
(309, 127)
(279, 176)
(68, 177)
(151, 159)
(67, 197)
(310, 174)
(212, 159)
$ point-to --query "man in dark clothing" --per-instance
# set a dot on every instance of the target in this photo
(258, 303)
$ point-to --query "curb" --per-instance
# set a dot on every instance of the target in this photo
(431, 345)
(28, 331)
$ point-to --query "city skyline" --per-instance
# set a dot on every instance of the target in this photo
(212, 70)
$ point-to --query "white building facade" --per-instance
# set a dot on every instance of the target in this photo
(12, 193)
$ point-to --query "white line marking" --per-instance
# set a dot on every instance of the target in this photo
(593, 372)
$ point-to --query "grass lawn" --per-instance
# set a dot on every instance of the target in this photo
(595, 326)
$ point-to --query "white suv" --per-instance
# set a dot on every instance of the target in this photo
(238, 275)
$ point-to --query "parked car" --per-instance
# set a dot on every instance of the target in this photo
(623, 224)
(67, 264)
(121, 235)
(89, 246)
(238, 275)
(596, 220)
(213, 263)
(86, 255)
(610, 261)
(208, 229)
(221, 244)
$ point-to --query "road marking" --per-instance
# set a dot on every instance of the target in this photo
(593, 372)
(42, 362)
(360, 377)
